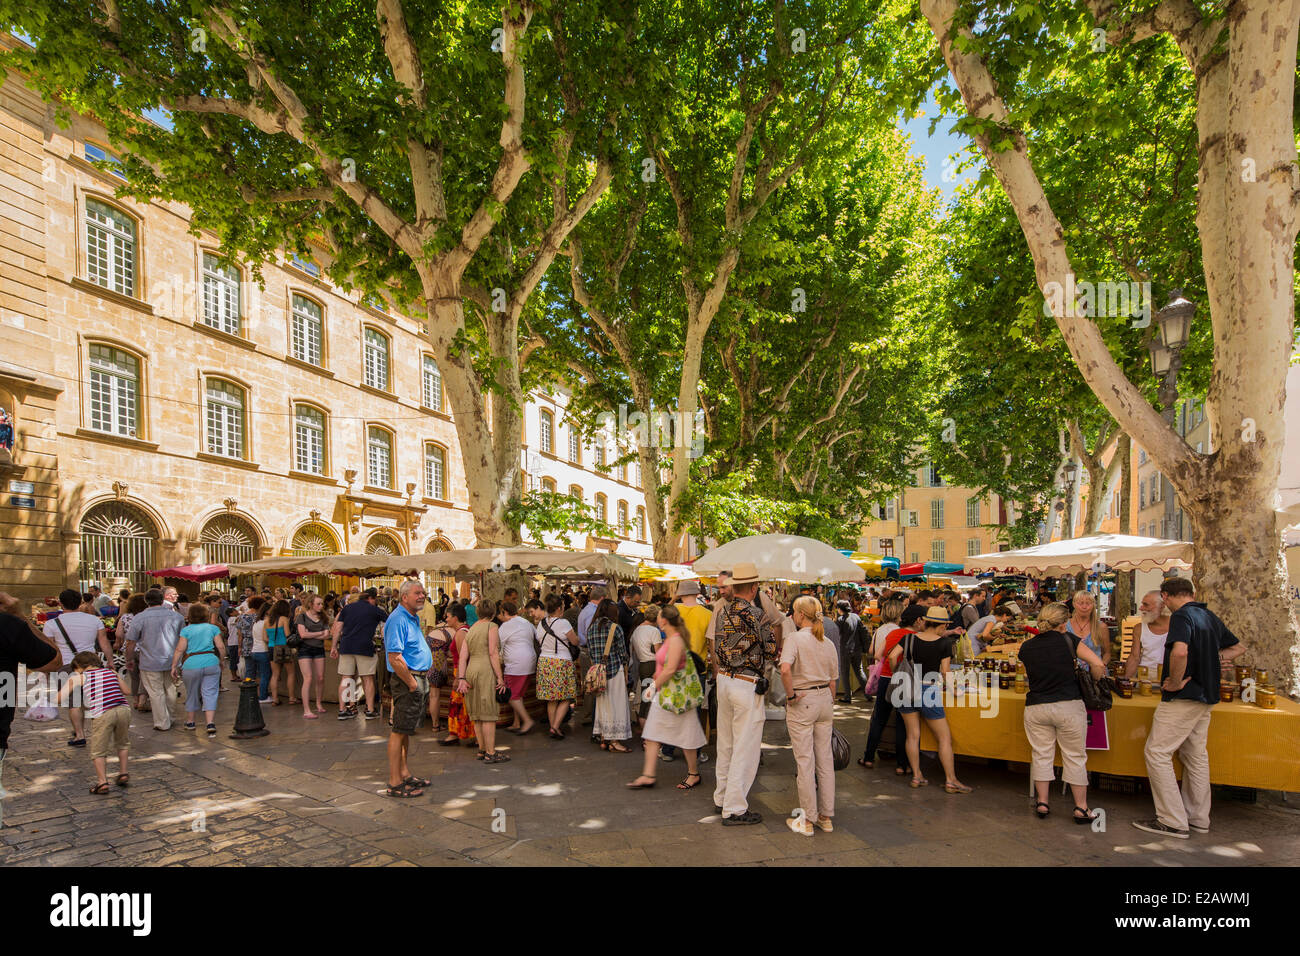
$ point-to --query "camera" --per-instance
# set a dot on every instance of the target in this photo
(761, 685)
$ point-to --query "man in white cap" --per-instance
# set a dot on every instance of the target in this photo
(745, 641)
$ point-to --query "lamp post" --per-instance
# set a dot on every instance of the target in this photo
(1070, 471)
(1174, 327)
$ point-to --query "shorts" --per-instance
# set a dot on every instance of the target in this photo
(517, 683)
(928, 702)
(357, 665)
(929, 713)
(108, 734)
(306, 653)
(409, 705)
(283, 654)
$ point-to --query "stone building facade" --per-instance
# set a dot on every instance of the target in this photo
(170, 409)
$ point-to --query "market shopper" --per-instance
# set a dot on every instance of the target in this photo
(809, 669)
(408, 661)
(1198, 646)
(197, 661)
(20, 644)
(459, 726)
(1054, 712)
(74, 631)
(886, 639)
(556, 681)
(353, 633)
(607, 645)
(479, 677)
(1149, 648)
(745, 642)
(278, 622)
(312, 627)
(1085, 624)
(672, 679)
(518, 661)
(155, 630)
(110, 717)
(922, 661)
(644, 641)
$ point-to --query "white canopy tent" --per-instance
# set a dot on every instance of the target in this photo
(782, 557)
(463, 563)
(1118, 552)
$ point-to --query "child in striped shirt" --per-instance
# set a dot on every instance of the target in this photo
(109, 716)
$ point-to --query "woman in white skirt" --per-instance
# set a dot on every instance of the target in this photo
(663, 726)
(607, 644)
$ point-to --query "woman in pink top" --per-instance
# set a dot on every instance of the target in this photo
(662, 726)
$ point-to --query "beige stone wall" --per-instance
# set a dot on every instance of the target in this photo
(52, 314)
(955, 533)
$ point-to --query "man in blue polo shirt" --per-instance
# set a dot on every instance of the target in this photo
(409, 660)
(1196, 648)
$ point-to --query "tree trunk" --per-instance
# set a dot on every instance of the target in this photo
(1124, 579)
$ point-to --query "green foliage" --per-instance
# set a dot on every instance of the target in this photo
(549, 512)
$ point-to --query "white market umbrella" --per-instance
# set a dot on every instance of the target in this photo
(783, 557)
(1119, 552)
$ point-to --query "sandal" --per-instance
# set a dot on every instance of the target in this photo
(481, 755)
(690, 786)
(449, 741)
(638, 785)
(77, 742)
(416, 782)
(865, 763)
(100, 788)
(1042, 810)
(919, 782)
(957, 788)
(900, 772)
(1088, 816)
(555, 734)
(617, 748)
(404, 789)
(496, 758)
(124, 780)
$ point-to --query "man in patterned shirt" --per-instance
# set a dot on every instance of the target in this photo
(744, 643)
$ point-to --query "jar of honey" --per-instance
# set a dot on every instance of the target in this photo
(1261, 676)
(1021, 684)
(1144, 673)
(1125, 688)
(1226, 693)
(1004, 681)
(1266, 697)
(1241, 671)
(1144, 688)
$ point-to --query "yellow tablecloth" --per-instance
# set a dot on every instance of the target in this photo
(1248, 746)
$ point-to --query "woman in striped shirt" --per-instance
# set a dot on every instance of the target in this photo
(109, 716)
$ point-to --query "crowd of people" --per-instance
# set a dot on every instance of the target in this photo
(620, 665)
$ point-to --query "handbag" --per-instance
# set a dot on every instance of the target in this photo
(503, 696)
(1095, 691)
(438, 649)
(597, 677)
(683, 691)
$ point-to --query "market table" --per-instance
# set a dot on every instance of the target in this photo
(1248, 746)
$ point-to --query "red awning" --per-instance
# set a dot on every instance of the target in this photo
(193, 572)
(906, 569)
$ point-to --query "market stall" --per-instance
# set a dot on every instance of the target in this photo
(193, 572)
(1119, 552)
(1248, 745)
(782, 557)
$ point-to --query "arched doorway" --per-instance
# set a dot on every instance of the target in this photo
(314, 540)
(118, 540)
(381, 542)
(432, 581)
(228, 539)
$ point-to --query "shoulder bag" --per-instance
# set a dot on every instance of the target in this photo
(597, 677)
(1095, 691)
(683, 691)
(68, 668)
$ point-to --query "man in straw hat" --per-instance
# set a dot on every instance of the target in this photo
(744, 643)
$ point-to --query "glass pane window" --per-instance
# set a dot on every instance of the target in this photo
(640, 524)
(220, 294)
(547, 431)
(936, 550)
(110, 247)
(307, 331)
(972, 512)
(435, 472)
(622, 517)
(379, 458)
(600, 507)
(575, 446)
(114, 391)
(936, 513)
(225, 418)
(376, 360)
(575, 491)
(98, 154)
(309, 266)
(309, 440)
(973, 546)
(432, 384)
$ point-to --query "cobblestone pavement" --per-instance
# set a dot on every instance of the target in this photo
(312, 793)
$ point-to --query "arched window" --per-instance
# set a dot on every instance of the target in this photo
(435, 471)
(601, 509)
(314, 540)
(306, 330)
(114, 391)
(118, 540)
(376, 359)
(381, 542)
(309, 439)
(431, 384)
(640, 524)
(110, 247)
(434, 580)
(575, 446)
(575, 491)
(220, 294)
(547, 435)
(225, 414)
(548, 485)
(379, 457)
(622, 519)
(227, 539)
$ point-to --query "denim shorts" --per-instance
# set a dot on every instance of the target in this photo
(929, 713)
(306, 653)
(926, 701)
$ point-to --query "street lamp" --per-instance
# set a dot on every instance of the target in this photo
(1071, 469)
(1174, 323)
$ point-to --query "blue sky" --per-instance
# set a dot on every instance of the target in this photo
(936, 149)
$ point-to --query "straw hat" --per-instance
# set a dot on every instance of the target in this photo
(937, 615)
(691, 586)
(745, 572)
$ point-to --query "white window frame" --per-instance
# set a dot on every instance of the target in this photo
(114, 390)
(221, 294)
(310, 446)
(546, 431)
(936, 513)
(973, 546)
(435, 471)
(575, 446)
(431, 382)
(972, 512)
(225, 419)
(376, 355)
(307, 330)
(373, 445)
(938, 550)
(111, 248)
